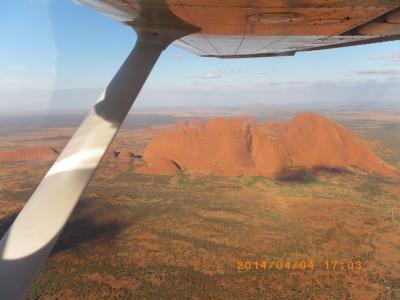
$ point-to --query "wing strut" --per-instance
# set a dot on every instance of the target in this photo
(27, 243)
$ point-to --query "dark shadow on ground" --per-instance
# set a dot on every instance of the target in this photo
(333, 171)
(86, 231)
(90, 223)
(308, 176)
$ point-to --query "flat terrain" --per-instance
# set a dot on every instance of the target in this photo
(187, 237)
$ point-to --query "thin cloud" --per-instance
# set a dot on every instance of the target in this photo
(210, 75)
(267, 72)
(282, 83)
(45, 2)
(378, 72)
(18, 68)
(219, 73)
(393, 57)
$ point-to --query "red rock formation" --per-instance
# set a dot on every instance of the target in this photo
(29, 153)
(359, 155)
(241, 147)
(313, 142)
(222, 146)
(185, 124)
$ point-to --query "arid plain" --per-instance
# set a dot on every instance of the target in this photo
(327, 234)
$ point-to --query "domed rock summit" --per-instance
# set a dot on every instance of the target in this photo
(240, 146)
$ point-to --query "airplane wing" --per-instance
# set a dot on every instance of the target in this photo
(263, 28)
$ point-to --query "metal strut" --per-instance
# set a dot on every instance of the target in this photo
(26, 245)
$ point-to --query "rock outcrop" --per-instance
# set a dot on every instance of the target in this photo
(121, 154)
(29, 153)
(240, 146)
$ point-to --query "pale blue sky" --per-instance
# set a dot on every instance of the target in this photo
(60, 55)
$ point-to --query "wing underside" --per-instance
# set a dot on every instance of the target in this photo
(257, 28)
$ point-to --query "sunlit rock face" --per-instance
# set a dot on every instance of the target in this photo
(234, 147)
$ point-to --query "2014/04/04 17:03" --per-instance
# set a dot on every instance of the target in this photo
(329, 265)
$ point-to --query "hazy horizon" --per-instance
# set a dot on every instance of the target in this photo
(392, 106)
